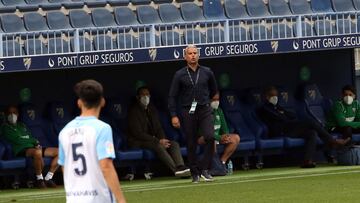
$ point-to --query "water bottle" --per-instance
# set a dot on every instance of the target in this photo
(230, 168)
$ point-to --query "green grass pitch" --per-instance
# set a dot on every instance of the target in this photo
(322, 184)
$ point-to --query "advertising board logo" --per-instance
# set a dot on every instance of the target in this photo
(274, 46)
(153, 54)
(51, 63)
(295, 45)
(27, 63)
(176, 54)
(2, 66)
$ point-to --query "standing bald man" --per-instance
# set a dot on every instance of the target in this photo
(194, 86)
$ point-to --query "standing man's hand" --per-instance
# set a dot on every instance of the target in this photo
(165, 143)
(175, 122)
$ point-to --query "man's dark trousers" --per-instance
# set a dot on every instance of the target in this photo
(193, 124)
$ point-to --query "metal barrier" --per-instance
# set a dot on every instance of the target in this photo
(174, 34)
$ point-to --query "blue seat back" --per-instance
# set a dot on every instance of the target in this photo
(191, 12)
(102, 17)
(215, 35)
(213, 9)
(35, 22)
(345, 26)
(356, 4)
(35, 46)
(169, 38)
(300, 7)
(57, 20)
(235, 9)
(321, 6)
(169, 13)
(343, 5)
(238, 33)
(59, 114)
(193, 36)
(12, 23)
(148, 15)
(31, 117)
(324, 27)
(279, 7)
(125, 16)
(257, 8)
(104, 42)
(80, 19)
(259, 32)
(315, 103)
(231, 106)
(254, 97)
(126, 41)
(116, 110)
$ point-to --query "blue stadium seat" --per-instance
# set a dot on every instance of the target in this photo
(144, 38)
(235, 9)
(37, 2)
(58, 45)
(125, 16)
(343, 5)
(259, 32)
(35, 47)
(31, 117)
(231, 106)
(192, 36)
(35, 22)
(13, 2)
(215, 35)
(157, 2)
(95, 3)
(10, 164)
(287, 100)
(281, 30)
(279, 7)
(102, 17)
(238, 34)
(345, 26)
(80, 19)
(140, 2)
(126, 41)
(306, 29)
(116, 109)
(57, 20)
(118, 2)
(356, 4)
(104, 42)
(12, 23)
(300, 7)
(58, 1)
(84, 44)
(191, 12)
(324, 27)
(321, 6)
(74, 4)
(169, 13)
(147, 15)
(213, 10)
(170, 38)
(123, 153)
(12, 48)
(257, 8)
(59, 115)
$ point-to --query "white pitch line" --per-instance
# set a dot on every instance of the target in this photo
(240, 181)
(141, 189)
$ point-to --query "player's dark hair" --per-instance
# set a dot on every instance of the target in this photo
(268, 89)
(90, 92)
(349, 88)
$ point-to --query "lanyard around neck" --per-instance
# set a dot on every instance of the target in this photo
(197, 77)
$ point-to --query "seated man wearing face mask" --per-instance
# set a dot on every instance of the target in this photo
(281, 122)
(345, 114)
(144, 130)
(222, 135)
(25, 145)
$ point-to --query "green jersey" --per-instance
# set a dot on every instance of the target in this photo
(18, 136)
(344, 115)
(220, 125)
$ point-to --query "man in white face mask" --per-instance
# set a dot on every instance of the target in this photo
(144, 130)
(345, 114)
(221, 131)
(25, 145)
(282, 122)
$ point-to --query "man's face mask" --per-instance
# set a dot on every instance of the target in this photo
(348, 100)
(12, 118)
(273, 100)
(215, 104)
(145, 100)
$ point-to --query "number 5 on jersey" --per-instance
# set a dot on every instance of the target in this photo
(79, 157)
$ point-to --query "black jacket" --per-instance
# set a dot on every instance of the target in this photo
(275, 117)
(143, 125)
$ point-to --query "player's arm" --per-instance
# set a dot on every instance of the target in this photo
(111, 178)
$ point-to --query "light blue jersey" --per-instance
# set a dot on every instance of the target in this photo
(82, 144)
